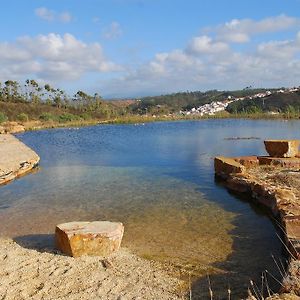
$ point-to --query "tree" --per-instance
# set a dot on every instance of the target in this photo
(33, 91)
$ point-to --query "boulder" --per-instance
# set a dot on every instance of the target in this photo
(282, 148)
(99, 238)
(225, 166)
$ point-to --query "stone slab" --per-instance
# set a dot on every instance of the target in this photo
(98, 238)
(247, 161)
(282, 148)
(289, 162)
(16, 158)
(225, 166)
(292, 230)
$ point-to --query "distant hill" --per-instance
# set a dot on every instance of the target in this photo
(186, 100)
(277, 102)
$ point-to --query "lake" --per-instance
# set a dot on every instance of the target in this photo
(157, 179)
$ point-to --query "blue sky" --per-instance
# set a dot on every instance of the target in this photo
(129, 48)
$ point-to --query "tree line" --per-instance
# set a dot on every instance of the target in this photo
(41, 95)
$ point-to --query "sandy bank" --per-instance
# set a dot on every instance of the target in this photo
(29, 274)
(16, 159)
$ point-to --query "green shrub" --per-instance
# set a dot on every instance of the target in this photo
(86, 116)
(46, 117)
(3, 117)
(22, 117)
(67, 117)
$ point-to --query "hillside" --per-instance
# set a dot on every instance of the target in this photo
(277, 102)
(183, 101)
(32, 102)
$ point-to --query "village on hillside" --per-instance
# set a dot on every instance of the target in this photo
(218, 106)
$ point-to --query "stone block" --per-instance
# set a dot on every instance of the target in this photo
(292, 234)
(282, 148)
(239, 185)
(225, 166)
(247, 161)
(288, 162)
(99, 238)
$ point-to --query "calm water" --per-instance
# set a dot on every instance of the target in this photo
(158, 180)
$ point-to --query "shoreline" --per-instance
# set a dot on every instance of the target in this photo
(268, 185)
(16, 127)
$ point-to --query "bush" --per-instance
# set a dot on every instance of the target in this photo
(86, 116)
(67, 117)
(46, 117)
(22, 117)
(3, 117)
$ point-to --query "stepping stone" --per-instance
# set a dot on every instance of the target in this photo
(99, 238)
(282, 148)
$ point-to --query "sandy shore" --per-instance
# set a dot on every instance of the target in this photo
(16, 158)
(29, 274)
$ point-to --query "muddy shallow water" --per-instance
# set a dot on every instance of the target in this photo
(158, 180)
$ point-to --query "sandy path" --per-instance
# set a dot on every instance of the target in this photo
(29, 274)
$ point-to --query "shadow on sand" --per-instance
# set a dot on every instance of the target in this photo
(38, 242)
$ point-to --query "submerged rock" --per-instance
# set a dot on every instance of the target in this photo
(282, 148)
(99, 238)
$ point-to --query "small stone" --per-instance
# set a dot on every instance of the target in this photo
(282, 148)
(99, 238)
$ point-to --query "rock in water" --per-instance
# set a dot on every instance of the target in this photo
(225, 166)
(99, 238)
(282, 148)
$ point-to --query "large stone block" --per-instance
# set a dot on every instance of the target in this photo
(99, 238)
(282, 148)
(225, 166)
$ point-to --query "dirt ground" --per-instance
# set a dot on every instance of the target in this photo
(29, 274)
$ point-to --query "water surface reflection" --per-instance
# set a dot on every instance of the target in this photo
(158, 180)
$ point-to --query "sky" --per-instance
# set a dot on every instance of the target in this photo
(133, 48)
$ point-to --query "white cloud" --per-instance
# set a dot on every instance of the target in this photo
(113, 31)
(205, 44)
(210, 62)
(51, 15)
(240, 31)
(52, 57)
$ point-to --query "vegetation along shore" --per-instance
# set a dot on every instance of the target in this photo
(42, 106)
